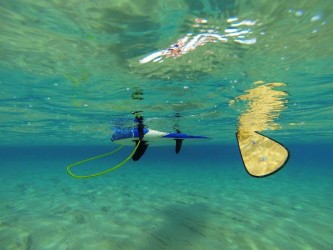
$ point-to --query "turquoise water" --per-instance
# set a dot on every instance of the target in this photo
(72, 70)
(158, 203)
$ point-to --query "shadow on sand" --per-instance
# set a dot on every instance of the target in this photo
(182, 227)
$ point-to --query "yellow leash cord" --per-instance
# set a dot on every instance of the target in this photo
(97, 157)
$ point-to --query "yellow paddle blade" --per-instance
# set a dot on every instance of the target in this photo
(261, 155)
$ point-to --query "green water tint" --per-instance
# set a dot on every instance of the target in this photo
(98, 157)
(68, 70)
(261, 155)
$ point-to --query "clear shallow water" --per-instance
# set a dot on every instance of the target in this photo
(68, 69)
(158, 203)
(71, 70)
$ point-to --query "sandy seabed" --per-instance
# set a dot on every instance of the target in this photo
(155, 205)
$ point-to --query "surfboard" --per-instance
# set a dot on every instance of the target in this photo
(126, 136)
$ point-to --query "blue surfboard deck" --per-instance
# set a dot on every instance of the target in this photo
(183, 136)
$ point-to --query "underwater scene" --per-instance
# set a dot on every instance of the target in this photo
(183, 125)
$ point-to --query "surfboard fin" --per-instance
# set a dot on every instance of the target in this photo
(141, 149)
(179, 143)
